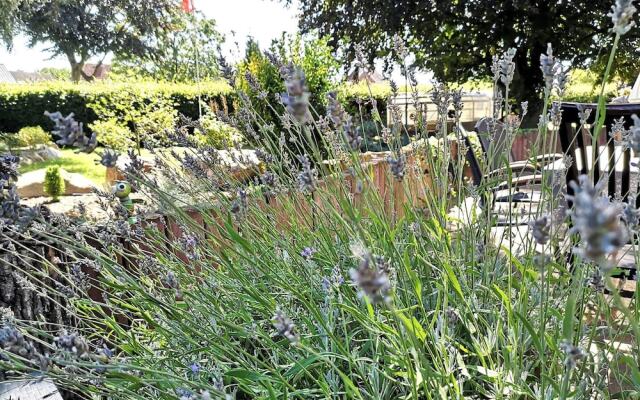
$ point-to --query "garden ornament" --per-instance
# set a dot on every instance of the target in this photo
(122, 190)
(70, 132)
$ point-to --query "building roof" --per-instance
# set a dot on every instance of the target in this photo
(24, 76)
(360, 75)
(101, 73)
(5, 75)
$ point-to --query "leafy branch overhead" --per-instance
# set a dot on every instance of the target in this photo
(457, 39)
(85, 29)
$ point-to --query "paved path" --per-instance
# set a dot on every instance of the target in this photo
(29, 390)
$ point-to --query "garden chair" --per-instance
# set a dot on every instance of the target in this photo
(524, 174)
(494, 140)
(511, 203)
(613, 162)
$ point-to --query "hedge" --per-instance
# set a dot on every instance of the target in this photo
(24, 104)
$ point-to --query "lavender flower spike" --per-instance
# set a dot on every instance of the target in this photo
(622, 16)
(597, 221)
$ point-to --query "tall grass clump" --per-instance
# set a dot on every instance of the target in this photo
(331, 273)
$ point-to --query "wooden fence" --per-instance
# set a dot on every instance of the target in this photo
(288, 209)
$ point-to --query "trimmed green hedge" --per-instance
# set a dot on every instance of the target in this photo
(24, 104)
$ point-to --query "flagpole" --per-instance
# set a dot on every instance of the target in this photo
(188, 7)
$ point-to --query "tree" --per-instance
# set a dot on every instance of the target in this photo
(8, 19)
(260, 73)
(82, 29)
(261, 76)
(457, 39)
(193, 38)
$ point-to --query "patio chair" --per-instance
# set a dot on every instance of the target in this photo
(494, 141)
(612, 162)
(514, 202)
(525, 175)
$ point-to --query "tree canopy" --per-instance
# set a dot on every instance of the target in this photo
(194, 38)
(457, 39)
(83, 29)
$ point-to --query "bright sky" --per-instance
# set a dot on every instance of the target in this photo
(263, 19)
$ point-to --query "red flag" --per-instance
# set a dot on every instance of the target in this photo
(187, 6)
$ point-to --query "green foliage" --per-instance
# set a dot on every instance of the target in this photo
(32, 136)
(111, 133)
(313, 55)
(154, 120)
(8, 20)
(9, 141)
(216, 133)
(150, 115)
(193, 38)
(74, 162)
(457, 39)
(584, 87)
(58, 74)
(53, 183)
(67, 97)
(82, 29)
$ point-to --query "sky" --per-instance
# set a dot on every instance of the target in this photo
(264, 20)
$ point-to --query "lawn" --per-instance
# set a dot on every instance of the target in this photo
(71, 161)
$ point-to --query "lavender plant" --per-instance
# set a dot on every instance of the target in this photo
(308, 280)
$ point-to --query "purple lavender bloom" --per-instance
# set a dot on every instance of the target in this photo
(308, 252)
(195, 368)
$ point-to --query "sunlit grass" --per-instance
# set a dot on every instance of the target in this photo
(74, 162)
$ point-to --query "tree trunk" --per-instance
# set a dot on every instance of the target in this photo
(76, 71)
(527, 85)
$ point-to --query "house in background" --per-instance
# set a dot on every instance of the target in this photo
(24, 76)
(101, 73)
(361, 75)
(5, 75)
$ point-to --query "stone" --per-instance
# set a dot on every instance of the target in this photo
(242, 165)
(116, 173)
(30, 184)
(39, 154)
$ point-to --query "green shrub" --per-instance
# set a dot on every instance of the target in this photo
(24, 105)
(149, 115)
(314, 56)
(216, 133)
(155, 119)
(32, 136)
(53, 182)
(9, 141)
(111, 133)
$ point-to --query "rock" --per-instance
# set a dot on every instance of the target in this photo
(39, 154)
(116, 173)
(241, 165)
(31, 184)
